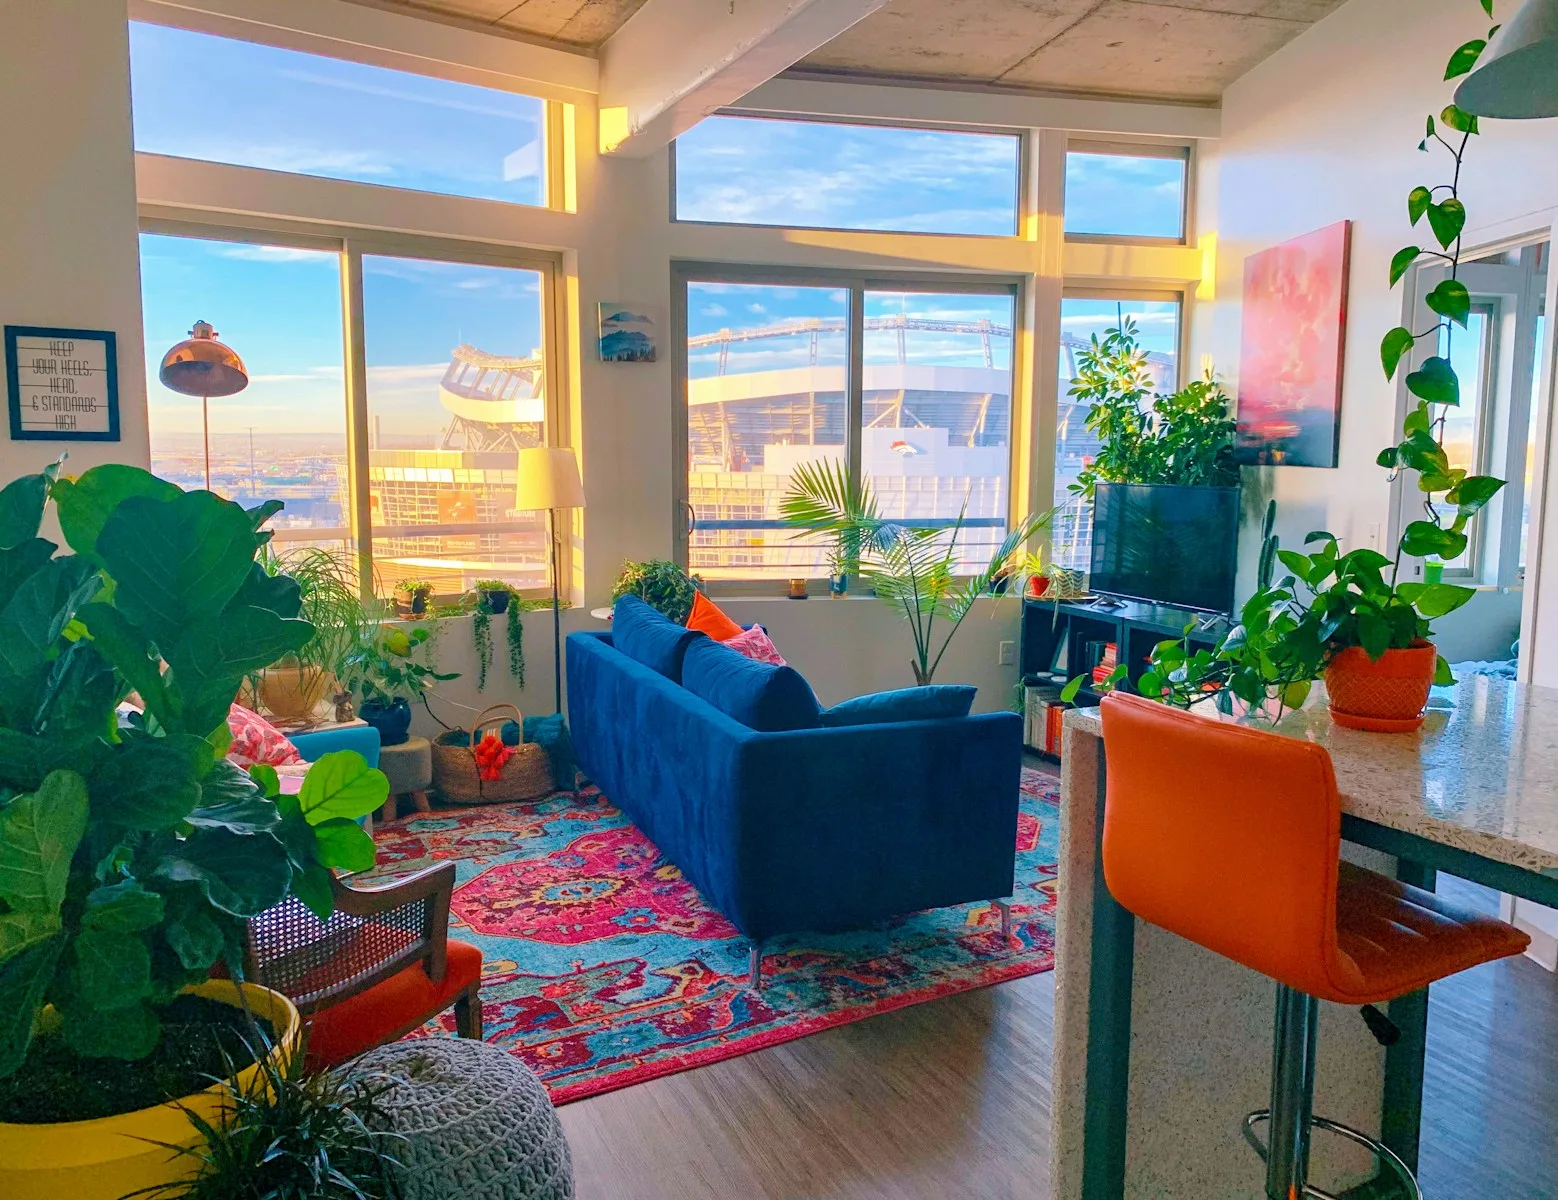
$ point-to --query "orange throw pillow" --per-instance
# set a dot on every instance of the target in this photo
(707, 618)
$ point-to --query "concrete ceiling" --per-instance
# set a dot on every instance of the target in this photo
(1187, 50)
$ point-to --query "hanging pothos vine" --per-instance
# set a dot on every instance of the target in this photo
(481, 632)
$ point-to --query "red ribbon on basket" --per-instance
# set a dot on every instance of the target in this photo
(491, 753)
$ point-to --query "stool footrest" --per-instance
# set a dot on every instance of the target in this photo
(1373, 1145)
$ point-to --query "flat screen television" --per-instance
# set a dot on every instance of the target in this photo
(1166, 545)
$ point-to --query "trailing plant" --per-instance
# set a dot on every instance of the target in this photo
(131, 851)
(1290, 631)
(394, 664)
(1185, 438)
(291, 1134)
(516, 643)
(822, 500)
(662, 585)
(481, 634)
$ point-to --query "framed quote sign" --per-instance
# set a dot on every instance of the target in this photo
(63, 384)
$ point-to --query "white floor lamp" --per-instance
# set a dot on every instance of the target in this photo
(549, 479)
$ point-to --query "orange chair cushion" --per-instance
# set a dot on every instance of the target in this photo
(1399, 938)
(389, 1008)
(707, 617)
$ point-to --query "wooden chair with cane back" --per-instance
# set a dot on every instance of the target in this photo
(381, 966)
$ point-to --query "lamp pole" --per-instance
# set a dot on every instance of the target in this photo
(557, 618)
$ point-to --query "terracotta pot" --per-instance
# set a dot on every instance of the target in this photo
(293, 693)
(1038, 585)
(1385, 696)
(105, 1158)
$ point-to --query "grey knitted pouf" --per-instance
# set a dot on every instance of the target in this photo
(478, 1124)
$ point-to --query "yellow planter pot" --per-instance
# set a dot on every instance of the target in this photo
(110, 1157)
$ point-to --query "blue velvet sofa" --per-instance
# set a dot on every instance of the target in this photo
(362, 738)
(808, 829)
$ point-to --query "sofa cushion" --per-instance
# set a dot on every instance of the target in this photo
(760, 695)
(648, 637)
(934, 702)
(755, 644)
(709, 618)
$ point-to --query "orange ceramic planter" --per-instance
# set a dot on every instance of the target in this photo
(106, 1158)
(1384, 696)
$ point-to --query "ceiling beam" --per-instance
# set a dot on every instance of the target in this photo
(676, 61)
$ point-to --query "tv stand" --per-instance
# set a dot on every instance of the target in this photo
(1134, 627)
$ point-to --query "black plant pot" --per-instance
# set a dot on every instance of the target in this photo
(393, 720)
(495, 600)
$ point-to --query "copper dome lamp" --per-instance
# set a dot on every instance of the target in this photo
(202, 366)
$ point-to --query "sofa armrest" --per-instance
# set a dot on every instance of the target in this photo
(362, 738)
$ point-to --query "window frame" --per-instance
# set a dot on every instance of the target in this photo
(1184, 152)
(1020, 202)
(856, 284)
(1484, 433)
(351, 243)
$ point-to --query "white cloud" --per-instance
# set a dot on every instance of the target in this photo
(411, 97)
(407, 373)
(277, 254)
(714, 310)
(756, 309)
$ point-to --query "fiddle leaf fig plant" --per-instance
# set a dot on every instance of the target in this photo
(131, 850)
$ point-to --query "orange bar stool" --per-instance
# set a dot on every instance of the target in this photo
(1231, 838)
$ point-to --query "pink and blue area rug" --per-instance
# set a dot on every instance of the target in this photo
(605, 967)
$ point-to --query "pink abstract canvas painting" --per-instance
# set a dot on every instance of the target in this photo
(1290, 361)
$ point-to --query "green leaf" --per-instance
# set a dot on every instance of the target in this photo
(24, 978)
(1418, 421)
(1373, 635)
(1447, 220)
(1443, 676)
(312, 886)
(176, 562)
(19, 562)
(266, 779)
(241, 874)
(1459, 120)
(263, 512)
(1389, 458)
(1473, 492)
(21, 509)
(1393, 348)
(1465, 58)
(111, 969)
(1402, 262)
(1418, 203)
(124, 907)
(144, 783)
(39, 610)
(280, 594)
(230, 799)
(125, 646)
(210, 657)
(1068, 694)
(1450, 299)
(194, 937)
(25, 760)
(20, 930)
(38, 836)
(1435, 382)
(1422, 539)
(344, 845)
(83, 505)
(1435, 599)
(130, 1031)
(341, 784)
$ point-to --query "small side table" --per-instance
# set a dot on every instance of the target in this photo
(409, 767)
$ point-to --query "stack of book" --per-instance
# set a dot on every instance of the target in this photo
(1042, 709)
(1108, 655)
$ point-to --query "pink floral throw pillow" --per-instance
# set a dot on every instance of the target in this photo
(755, 644)
(256, 740)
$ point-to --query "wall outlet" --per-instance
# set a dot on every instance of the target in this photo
(1007, 656)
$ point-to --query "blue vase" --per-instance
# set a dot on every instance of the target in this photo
(393, 720)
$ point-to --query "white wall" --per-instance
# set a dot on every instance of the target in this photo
(68, 252)
(1326, 130)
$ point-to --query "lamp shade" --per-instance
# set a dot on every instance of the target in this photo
(203, 366)
(1518, 73)
(548, 478)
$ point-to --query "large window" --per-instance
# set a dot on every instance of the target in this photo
(284, 436)
(1129, 192)
(1467, 435)
(815, 174)
(200, 96)
(1082, 318)
(927, 423)
(451, 384)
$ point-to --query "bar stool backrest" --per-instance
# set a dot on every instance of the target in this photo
(1226, 835)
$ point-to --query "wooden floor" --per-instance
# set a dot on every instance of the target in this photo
(952, 1099)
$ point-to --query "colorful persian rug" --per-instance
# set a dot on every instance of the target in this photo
(604, 967)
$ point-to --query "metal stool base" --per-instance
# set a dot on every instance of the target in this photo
(1376, 1147)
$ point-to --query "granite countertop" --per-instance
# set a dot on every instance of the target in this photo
(1481, 774)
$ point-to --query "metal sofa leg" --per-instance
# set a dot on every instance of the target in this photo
(1004, 907)
(755, 966)
(467, 1013)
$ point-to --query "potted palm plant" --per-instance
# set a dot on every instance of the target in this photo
(822, 501)
(292, 688)
(137, 851)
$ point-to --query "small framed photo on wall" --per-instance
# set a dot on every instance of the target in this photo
(62, 384)
(628, 333)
